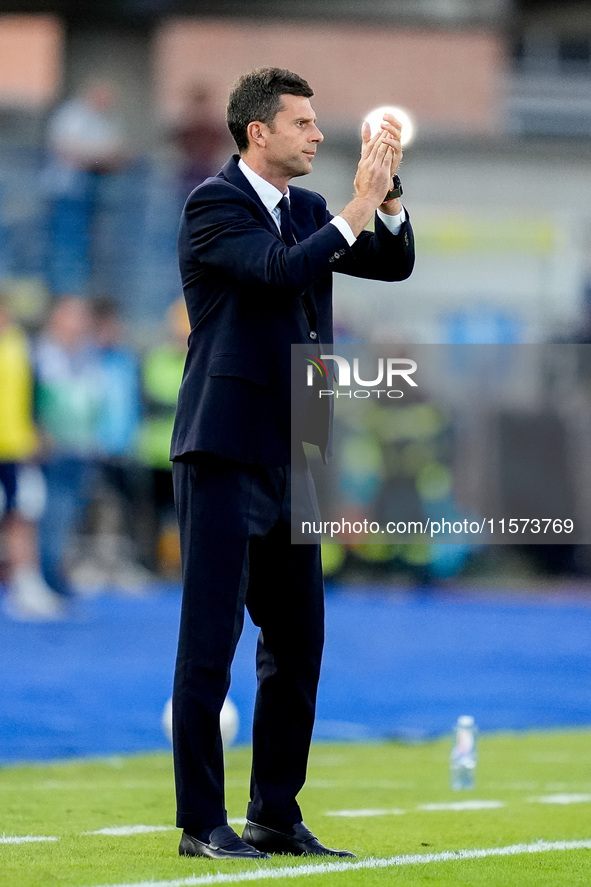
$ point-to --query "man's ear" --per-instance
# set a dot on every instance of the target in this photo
(257, 133)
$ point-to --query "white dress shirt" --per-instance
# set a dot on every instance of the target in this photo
(270, 197)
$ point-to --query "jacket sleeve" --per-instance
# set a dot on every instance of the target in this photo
(223, 229)
(380, 255)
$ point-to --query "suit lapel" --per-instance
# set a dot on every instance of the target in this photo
(232, 174)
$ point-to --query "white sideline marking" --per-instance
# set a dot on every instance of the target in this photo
(563, 799)
(262, 874)
(25, 839)
(369, 811)
(463, 805)
(396, 811)
(124, 830)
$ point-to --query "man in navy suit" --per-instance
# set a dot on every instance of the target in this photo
(257, 277)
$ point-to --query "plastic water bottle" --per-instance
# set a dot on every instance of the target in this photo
(463, 754)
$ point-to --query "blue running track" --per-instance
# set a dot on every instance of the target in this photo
(398, 665)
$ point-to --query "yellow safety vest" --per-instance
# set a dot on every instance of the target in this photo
(18, 438)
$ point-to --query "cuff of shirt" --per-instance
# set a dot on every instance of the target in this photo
(392, 223)
(345, 229)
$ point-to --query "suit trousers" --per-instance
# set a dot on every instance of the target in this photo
(236, 552)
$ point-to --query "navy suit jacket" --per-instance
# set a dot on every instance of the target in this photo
(245, 292)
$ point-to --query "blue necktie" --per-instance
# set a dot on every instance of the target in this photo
(286, 229)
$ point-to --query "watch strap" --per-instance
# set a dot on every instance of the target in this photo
(395, 191)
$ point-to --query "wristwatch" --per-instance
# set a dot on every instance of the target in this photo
(395, 191)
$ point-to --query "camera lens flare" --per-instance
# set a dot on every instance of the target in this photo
(375, 117)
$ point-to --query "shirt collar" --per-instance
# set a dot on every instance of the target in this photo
(268, 193)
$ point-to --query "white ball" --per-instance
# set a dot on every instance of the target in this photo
(229, 721)
(374, 118)
(166, 720)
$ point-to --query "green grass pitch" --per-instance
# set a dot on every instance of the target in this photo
(386, 802)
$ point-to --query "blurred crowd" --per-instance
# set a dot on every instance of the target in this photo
(85, 483)
(85, 415)
(89, 207)
(87, 151)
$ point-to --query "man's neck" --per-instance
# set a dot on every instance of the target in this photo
(269, 175)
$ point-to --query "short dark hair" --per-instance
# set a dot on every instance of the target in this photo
(257, 96)
(104, 308)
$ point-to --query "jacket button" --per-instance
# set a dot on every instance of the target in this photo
(406, 239)
(313, 334)
(331, 259)
(341, 252)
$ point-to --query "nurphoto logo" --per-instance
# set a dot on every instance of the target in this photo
(389, 371)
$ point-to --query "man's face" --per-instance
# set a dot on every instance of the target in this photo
(292, 138)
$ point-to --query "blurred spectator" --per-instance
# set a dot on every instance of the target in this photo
(21, 484)
(69, 400)
(120, 492)
(119, 419)
(162, 374)
(85, 144)
(199, 138)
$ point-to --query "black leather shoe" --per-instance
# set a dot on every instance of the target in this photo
(224, 843)
(300, 843)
